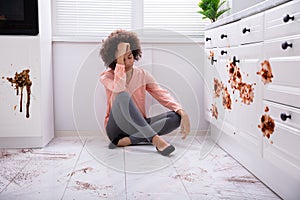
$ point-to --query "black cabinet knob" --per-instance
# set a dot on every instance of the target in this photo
(234, 60)
(223, 52)
(213, 60)
(285, 116)
(223, 36)
(285, 45)
(245, 30)
(288, 18)
(207, 39)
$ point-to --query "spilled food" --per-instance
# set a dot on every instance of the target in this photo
(267, 125)
(214, 111)
(265, 72)
(218, 86)
(19, 82)
(226, 99)
(236, 83)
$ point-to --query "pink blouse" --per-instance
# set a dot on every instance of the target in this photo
(141, 81)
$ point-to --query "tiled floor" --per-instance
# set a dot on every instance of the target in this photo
(84, 168)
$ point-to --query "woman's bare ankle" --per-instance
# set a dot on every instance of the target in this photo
(159, 142)
(124, 142)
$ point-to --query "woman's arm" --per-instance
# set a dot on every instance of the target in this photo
(117, 83)
(164, 98)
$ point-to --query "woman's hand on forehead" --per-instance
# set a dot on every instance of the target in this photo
(122, 49)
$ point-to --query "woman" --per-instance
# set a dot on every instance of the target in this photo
(126, 122)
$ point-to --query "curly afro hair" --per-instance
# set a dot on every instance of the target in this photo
(110, 44)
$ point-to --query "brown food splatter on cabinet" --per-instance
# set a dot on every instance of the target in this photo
(218, 86)
(214, 111)
(267, 125)
(236, 83)
(267, 109)
(235, 77)
(211, 55)
(226, 99)
(265, 72)
(19, 81)
(246, 93)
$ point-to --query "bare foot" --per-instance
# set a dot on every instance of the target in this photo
(124, 142)
(159, 142)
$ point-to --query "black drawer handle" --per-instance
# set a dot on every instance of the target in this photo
(207, 39)
(285, 116)
(245, 30)
(223, 52)
(288, 18)
(213, 60)
(285, 45)
(223, 36)
(235, 61)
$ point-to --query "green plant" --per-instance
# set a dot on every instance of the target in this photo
(210, 9)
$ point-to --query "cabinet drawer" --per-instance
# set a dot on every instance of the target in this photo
(211, 39)
(228, 36)
(284, 152)
(283, 47)
(251, 29)
(275, 26)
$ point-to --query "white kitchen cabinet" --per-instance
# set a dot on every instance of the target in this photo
(271, 35)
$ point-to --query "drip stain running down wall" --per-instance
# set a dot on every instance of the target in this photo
(19, 82)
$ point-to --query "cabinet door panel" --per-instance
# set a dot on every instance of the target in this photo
(247, 112)
(283, 151)
(285, 86)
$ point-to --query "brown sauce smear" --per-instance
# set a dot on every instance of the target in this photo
(236, 83)
(218, 86)
(246, 93)
(265, 72)
(226, 99)
(267, 125)
(214, 111)
(21, 81)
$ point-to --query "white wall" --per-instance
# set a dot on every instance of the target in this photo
(76, 66)
(238, 5)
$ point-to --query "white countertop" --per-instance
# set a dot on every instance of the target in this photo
(267, 4)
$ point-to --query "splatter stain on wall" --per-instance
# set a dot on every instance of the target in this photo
(19, 82)
(265, 72)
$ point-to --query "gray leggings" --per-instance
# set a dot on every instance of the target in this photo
(125, 120)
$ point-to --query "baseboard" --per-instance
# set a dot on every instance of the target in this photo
(76, 133)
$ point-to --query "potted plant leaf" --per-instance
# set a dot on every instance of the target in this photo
(211, 9)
